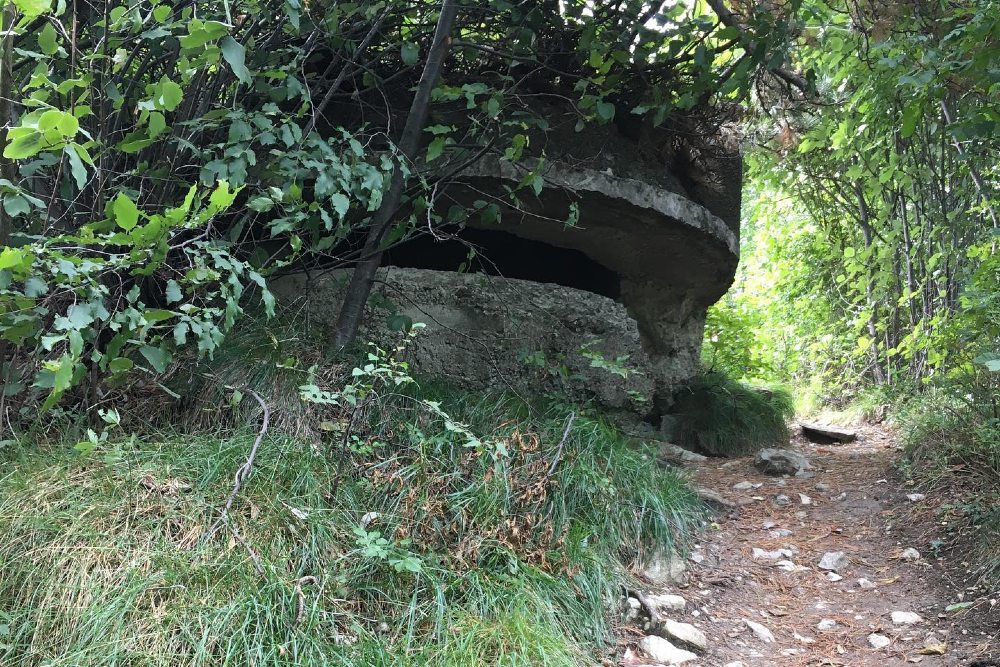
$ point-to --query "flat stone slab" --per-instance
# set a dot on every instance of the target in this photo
(824, 434)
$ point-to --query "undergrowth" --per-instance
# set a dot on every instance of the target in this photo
(953, 444)
(721, 416)
(439, 528)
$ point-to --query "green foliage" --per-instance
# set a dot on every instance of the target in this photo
(720, 416)
(873, 216)
(731, 346)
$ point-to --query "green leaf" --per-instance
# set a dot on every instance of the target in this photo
(435, 148)
(157, 124)
(173, 292)
(410, 53)
(158, 358)
(399, 322)
(62, 378)
(80, 315)
(15, 205)
(261, 204)
(23, 142)
(911, 114)
(236, 56)
(12, 258)
(222, 197)
(154, 315)
(340, 204)
(76, 167)
(605, 111)
(125, 212)
(33, 8)
(168, 95)
(47, 43)
(120, 364)
(180, 333)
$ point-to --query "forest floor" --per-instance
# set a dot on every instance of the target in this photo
(856, 503)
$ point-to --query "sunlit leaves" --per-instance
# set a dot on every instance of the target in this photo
(32, 8)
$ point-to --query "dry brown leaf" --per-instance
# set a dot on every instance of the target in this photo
(934, 649)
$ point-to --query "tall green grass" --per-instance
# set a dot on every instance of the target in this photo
(723, 417)
(470, 556)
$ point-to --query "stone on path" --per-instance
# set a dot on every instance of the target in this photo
(685, 634)
(834, 560)
(878, 641)
(714, 498)
(825, 434)
(780, 462)
(632, 612)
(762, 554)
(866, 584)
(762, 632)
(671, 452)
(660, 650)
(910, 555)
(826, 624)
(666, 602)
(804, 499)
(742, 486)
(833, 576)
(905, 618)
(666, 568)
(789, 566)
(734, 664)
(915, 497)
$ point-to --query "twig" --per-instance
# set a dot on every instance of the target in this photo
(562, 443)
(246, 545)
(244, 470)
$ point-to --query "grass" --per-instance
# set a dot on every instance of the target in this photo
(475, 555)
(720, 416)
(952, 445)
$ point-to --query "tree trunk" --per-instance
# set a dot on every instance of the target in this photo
(360, 286)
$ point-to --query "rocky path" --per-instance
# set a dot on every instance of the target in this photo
(818, 569)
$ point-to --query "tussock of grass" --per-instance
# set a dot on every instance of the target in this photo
(723, 417)
(486, 558)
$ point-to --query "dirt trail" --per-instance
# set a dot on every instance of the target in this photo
(855, 505)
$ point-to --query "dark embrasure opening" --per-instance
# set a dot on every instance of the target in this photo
(502, 254)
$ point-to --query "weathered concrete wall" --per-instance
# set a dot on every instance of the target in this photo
(673, 256)
(486, 331)
(657, 213)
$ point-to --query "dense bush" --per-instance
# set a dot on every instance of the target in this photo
(721, 416)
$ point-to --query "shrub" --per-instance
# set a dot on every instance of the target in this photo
(720, 416)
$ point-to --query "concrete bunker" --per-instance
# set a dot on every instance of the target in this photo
(542, 303)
